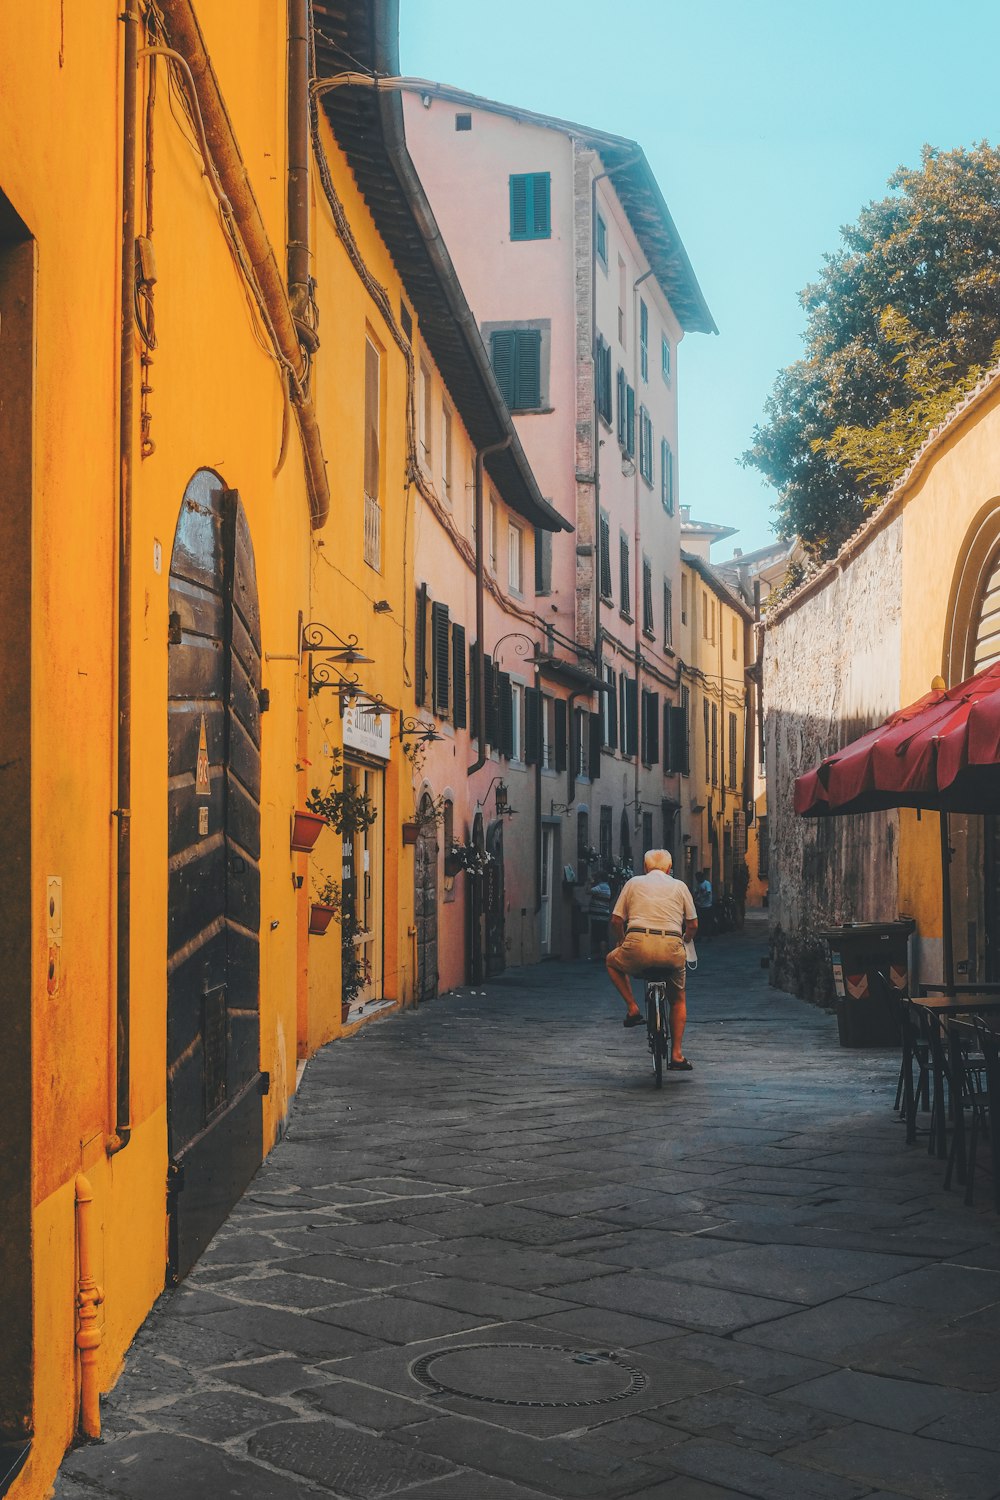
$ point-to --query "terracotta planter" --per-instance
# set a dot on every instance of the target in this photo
(320, 918)
(306, 829)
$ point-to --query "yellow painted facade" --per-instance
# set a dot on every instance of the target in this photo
(216, 403)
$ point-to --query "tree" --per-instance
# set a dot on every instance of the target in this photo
(903, 320)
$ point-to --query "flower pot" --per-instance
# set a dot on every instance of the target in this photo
(453, 865)
(320, 918)
(306, 829)
(410, 832)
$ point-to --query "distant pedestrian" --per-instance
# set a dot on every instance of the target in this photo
(598, 911)
(704, 901)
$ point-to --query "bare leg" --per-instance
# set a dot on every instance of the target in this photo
(678, 1020)
(621, 982)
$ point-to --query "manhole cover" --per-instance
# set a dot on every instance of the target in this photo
(529, 1375)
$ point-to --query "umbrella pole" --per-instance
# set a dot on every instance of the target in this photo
(947, 949)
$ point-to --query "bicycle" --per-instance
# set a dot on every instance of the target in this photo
(657, 1018)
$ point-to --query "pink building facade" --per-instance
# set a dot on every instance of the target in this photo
(582, 292)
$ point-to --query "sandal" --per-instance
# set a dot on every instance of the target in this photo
(634, 1018)
(680, 1066)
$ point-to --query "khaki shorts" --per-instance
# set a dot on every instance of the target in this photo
(641, 950)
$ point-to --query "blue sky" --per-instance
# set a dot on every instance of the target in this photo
(768, 126)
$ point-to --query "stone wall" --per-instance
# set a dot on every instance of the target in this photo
(831, 670)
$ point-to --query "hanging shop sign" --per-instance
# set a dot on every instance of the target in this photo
(368, 727)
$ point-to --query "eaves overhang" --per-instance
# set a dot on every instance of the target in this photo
(352, 35)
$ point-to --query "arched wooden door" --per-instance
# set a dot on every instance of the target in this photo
(214, 1083)
(425, 901)
(493, 900)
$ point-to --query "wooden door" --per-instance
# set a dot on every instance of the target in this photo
(214, 1083)
(493, 900)
(425, 901)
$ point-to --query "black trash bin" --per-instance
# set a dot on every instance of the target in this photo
(870, 973)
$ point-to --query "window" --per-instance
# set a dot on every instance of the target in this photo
(530, 217)
(373, 509)
(516, 721)
(645, 445)
(493, 536)
(735, 634)
(668, 615)
(605, 838)
(675, 728)
(516, 357)
(624, 576)
(628, 707)
(715, 744)
(647, 597)
(601, 241)
(440, 658)
(548, 734)
(684, 599)
(582, 845)
(460, 702)
(622, 297)
(732, 750)
(446, 453)
(605, 559)
(705, 726)
(543, 561)
(629, 421)
(667, 476)
(650, 728)
(581, 742)
(515, 558)
(463, 122)
(643, 340)
(602, 379)
(665, 357)
(609, 710)
(425, 415)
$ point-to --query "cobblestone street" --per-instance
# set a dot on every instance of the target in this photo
(490, 1261)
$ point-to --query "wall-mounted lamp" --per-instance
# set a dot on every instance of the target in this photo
(500, 798)
(382, 607)
(418, 729)
(318, 637)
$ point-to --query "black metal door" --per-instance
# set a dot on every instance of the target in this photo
(493, 899)
(214, 1084)
(425, 883)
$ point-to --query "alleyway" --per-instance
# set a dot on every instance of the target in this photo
(744, 1285)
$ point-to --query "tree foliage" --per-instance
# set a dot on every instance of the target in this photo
(903, 320)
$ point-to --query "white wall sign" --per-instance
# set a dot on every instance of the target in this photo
(365, 728)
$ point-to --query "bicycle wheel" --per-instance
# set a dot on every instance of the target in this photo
(654, 1028)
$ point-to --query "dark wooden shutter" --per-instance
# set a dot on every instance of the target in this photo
(532, 725)
(560, 719)
(622, 386)
(652, 729)
(625, 598)
(492, 717)
(647, 596)
(441, 643)
(630, 731)
(474, 687)
(595, 746)
(679, 740)
(629, 419)
(460, 710)
(505, 702)
(420, 647)
(605, 559)
(527, 368)
(543, 561)
(502, 359)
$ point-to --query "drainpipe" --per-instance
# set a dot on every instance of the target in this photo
(638, 601)
(480, 703)
(89, 1297)
(231, 182)
(122, 812)
(299, 280)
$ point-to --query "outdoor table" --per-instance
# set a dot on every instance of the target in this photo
(935, 1012)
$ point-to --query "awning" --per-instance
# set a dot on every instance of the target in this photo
(942, 753)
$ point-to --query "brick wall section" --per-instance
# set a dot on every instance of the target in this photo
(584, 164)
(831, 670)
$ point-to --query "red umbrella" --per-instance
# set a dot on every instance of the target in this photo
(941, 752)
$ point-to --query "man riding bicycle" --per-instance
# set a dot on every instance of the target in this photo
(652, 918)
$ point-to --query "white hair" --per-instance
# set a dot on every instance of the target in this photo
(658, 859)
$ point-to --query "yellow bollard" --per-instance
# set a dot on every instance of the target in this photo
(89, 1297)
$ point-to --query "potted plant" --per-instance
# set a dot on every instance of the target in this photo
(306, 829)
(325, 907)
(346, 809)
(355, 971)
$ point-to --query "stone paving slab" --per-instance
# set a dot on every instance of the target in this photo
(805, 1314)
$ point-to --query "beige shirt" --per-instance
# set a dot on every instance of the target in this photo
(655, 900)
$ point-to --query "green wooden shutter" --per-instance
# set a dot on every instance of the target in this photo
(492, 716)
(541, 217)
(440, 644)
(561, 722)
(653, 732)
(622, 404)
(519, 190)
(605, 559)
(613, 711)
(527, 368)
(505, 703)
(460, 703)
(630, 729)
(420, 647)
(474, 657)
(532, 726)
(502, 358)
(629, 420)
